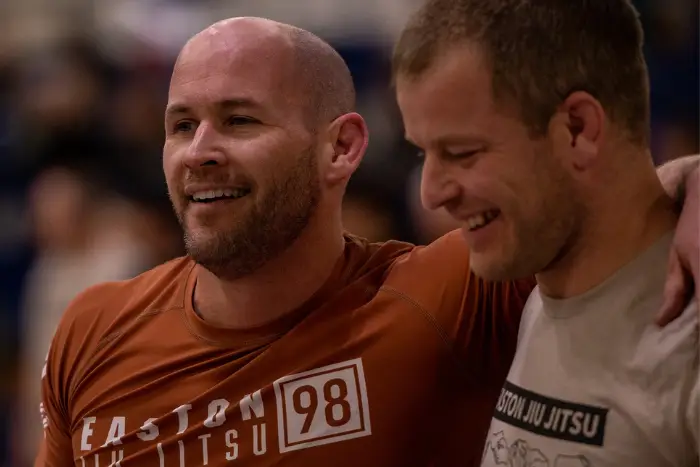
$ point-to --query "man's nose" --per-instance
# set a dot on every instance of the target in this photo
(437, 187)
(205, 148)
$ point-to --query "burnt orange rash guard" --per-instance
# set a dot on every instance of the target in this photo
(398, 360)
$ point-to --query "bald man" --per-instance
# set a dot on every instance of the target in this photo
(278, 339)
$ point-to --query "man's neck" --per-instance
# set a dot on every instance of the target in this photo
(619, 228)
(278, 288)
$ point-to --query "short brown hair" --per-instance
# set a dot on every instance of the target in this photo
(540, 51)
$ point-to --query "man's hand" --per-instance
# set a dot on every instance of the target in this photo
(681, 179)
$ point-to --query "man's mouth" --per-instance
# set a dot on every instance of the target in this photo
(209, 196)
(481, 220)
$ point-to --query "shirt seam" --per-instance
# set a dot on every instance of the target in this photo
(221, 344)
(429, 317)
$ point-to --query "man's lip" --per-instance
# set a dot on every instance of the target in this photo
(468, 214)
(190, 190)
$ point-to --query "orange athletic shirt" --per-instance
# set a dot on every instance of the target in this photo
(397, 360)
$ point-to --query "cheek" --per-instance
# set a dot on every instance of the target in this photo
(535, 205)
(524, 202)
(173, 173)
(171, 164)
(493, 192)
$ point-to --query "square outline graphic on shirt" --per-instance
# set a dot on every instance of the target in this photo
(359, 405)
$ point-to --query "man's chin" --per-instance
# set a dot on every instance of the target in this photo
(210, 230)
(491, 266)
(211, 258)
(230, 269)
(224, 257)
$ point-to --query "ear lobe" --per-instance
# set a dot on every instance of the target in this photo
(586, 154)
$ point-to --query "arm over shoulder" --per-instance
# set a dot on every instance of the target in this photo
(485, 326)
(486, 329)
(479, 319)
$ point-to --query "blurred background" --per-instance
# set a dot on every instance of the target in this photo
(83, 85)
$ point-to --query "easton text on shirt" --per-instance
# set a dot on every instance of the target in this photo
(321, 406)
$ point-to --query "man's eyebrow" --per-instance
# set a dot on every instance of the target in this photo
(450, 140)
(246, 103)
(225, 104)
(176, 109)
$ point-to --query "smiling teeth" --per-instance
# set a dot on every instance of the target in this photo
(214, 194)
(479, 220)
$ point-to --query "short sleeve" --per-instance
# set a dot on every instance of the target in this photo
(74, 336)
(486, 330)
(478, 319)
(55, 449)
(481, 318)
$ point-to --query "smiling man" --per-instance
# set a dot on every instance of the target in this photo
(534, 119)
(278, 339)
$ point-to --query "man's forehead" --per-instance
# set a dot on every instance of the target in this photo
(221, 64)
(264, 96)
(220, 74)
(450, 123)
(449, 97)
(227, 59)
(239, 39)
(229, 56)
(179, 105)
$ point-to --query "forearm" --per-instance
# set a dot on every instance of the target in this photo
(674, 174)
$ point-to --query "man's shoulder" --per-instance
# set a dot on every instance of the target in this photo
(365, 255)
(658, 348)
(431, 277)
(446, 260)
(438, 278)
(99, 307)
(446, 257)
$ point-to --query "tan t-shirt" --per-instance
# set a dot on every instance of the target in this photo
(398, 360)
(595, 383)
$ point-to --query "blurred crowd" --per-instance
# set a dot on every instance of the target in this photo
(82, 196)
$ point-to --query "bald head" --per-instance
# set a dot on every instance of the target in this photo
(321, 80)
(324, 74)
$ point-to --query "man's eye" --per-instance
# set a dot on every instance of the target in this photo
(461, 154)
(237, 120)
(183, 126)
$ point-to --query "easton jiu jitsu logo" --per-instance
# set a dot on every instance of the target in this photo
(547, 417)
(317, 407)
(553, 418)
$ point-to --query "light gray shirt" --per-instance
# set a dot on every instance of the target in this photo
(596, 383)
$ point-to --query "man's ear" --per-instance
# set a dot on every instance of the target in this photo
(581, 122)
(348, 139)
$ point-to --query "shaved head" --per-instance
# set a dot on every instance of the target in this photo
(255, 112)
(320, 79)
(324, 74)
